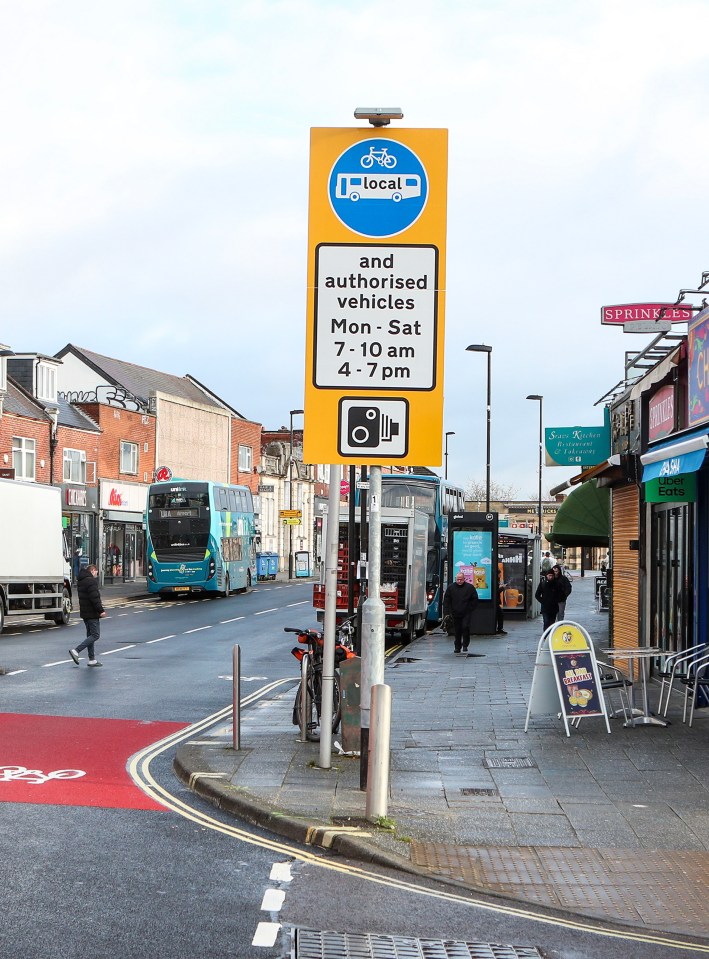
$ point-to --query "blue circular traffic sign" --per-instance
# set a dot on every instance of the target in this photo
(378, 187)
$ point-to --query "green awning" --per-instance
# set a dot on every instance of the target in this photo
(583, 518)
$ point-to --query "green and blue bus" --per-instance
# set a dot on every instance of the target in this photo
(438, 498)
(200, 538)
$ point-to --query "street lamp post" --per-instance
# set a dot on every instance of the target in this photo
(290, 494)
(481, 348)
(540, 400)
(449, 433)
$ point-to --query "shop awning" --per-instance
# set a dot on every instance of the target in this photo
(683, 456)
(583, 518)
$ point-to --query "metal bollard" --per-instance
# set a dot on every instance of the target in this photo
(379, 753)
(236, 696)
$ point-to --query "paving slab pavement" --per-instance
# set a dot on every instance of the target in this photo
(606, 826)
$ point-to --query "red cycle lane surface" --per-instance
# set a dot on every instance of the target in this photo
(42, 757)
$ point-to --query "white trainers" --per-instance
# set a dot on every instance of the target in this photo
(95, 662)
(74, 655)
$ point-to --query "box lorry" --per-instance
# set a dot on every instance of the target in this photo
(35, 577)
(403, 576)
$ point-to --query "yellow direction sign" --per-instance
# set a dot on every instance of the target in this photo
(376, 289)
(288, 521)
(290, 513)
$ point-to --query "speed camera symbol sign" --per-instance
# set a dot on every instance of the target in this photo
(373, 426)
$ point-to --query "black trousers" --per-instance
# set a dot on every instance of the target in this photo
(461, 632)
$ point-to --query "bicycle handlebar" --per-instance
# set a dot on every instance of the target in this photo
(300, 631)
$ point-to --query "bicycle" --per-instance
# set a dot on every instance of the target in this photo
(313, 659)
(383, 158)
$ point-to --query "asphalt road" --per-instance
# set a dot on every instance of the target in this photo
(92, 866)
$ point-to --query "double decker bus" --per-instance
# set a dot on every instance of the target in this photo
(437, 498)
(200, 538)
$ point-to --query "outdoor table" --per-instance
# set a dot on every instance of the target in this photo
(643, 654)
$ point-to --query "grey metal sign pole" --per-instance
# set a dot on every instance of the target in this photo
(373, 619)
(329, 628)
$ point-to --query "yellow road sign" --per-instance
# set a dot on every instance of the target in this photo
(376, 289)
(291, 522)
(290, 513)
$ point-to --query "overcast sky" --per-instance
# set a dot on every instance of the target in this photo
(154, 179)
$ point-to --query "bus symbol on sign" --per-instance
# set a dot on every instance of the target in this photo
(394, 174)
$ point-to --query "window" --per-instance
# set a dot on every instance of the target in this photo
(23, 457)
(129, 457)
(46, 382)
(74, 466)
(245, 459)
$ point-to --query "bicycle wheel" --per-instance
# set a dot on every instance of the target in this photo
(311, 715)
(336, 703)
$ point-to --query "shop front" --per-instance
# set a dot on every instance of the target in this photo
(123, 532)
(80, 524)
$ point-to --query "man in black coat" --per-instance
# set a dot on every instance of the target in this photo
(459, 602)
(91, 611)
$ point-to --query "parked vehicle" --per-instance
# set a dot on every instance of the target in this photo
(310, 656)
(403, 569)
(35, 571)
(437, 498)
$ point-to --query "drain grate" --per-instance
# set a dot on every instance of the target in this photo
(509, 762)
(470, 791)
(309, 944)
(404, 659)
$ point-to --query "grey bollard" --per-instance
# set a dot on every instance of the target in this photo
(379, 753)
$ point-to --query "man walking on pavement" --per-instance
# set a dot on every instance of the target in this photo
(459, 602)
(91, 611)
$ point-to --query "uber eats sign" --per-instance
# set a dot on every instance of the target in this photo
(376, 288)
(669, 489)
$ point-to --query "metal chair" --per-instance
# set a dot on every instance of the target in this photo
(676, 666)
(695, 680)
(614, 678)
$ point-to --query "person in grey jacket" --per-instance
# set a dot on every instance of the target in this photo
(459, 602)
(91, 611)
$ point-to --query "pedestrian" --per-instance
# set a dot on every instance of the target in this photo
(564, 584)
(459, 602)
(91, 611)
(548, 594)
(547, 562)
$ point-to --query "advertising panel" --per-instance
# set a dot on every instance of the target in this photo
(512, 564)
(472, 556)
(698, 363)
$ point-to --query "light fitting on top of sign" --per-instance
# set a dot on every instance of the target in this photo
(378, 187)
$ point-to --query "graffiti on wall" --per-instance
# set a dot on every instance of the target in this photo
(109, 396)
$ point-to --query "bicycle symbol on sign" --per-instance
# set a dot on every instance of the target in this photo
(36, 776)
(382, 157)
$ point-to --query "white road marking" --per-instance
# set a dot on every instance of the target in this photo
(266, 934)
(60, 662)
(301, 603)
(273, 900)
(198, 630)
(119, 650)
(281, 872)
(273, 610)
(15, 672)
(236, 619)
(171, 636)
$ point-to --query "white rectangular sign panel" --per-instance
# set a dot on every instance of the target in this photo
(375, 317)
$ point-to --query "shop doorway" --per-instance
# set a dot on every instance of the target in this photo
(124, 552)
(672, 577)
